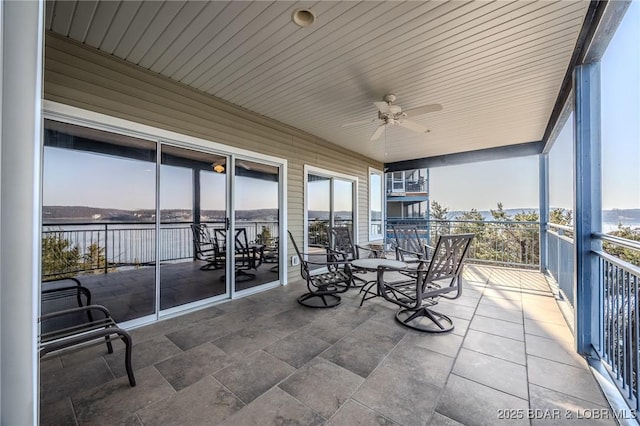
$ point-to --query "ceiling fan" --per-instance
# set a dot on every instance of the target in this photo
(391, 114)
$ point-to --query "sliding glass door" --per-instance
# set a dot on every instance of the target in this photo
(193, 224)
(256, 224)
(99, 219)
(145, 226)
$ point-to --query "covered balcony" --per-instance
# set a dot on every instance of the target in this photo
(157, 154)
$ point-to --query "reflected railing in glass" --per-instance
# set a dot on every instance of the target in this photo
(73, 248)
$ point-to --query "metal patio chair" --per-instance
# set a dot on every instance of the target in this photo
(441, 276)
(327, 275)
(407, 243)
(206, 248)
(340, 241)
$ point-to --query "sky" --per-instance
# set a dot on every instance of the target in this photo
(514, 182)
(79, 178)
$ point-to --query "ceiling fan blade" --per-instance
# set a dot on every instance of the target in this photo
(412, 125)
(425, 109)
(383, 107)
(357, 123)
(378, 132)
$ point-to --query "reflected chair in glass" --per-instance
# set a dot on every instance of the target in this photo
(247, 256)
(206, 248)
(340, 241)
(327, 275)
(441, 276)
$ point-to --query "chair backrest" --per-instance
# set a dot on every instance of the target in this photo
(340, 240)
(407, 238)
(202, 241)
(220, 238)
(445, 266)
(304, 271)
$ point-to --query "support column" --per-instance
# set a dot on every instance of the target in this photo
(21, 89)
(587, 204)
(543, 188)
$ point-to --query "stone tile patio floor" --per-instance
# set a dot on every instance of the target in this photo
(265, 360)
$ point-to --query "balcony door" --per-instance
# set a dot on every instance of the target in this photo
(150, 227)
(193, 227)
(330, 198)
(256, 224)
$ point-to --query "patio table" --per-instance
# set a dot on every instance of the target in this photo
(372, 264)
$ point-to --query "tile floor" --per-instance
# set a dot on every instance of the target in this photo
(265, 360)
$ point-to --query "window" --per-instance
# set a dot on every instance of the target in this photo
(376, 216)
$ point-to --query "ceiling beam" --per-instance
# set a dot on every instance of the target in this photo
(488, 154)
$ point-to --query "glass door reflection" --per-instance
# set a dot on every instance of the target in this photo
(193, 212)
(343, 204)
(257, 224)
(98, 219)
(318, 212)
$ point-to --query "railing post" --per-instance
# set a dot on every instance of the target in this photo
(587, 205)
(106, 251)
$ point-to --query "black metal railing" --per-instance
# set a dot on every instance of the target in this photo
(504, 243)
(317, 230)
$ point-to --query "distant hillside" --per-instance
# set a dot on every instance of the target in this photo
(486, 214)
(67, 214)
(608, 216)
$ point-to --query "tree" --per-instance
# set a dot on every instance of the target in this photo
(499, 213)
(626, 254)
(560, 216)
(60, 258)
(438, 212)
(264, 237)
(94, 257)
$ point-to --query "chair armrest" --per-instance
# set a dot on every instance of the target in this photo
(376, 253)
(89, 308)
(401, 253)
(68, 291)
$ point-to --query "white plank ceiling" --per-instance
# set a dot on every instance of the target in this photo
(495, 66)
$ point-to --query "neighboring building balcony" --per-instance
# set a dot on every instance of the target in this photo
(408, 187)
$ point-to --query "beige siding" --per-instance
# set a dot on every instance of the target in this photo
(83, 77)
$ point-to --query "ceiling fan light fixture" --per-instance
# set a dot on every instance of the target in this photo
(303, 17)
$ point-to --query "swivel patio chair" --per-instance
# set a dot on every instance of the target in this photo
(438, 277)
(407, 243)
(340, 241)
(327, 275)
(247, 256)
(206, 248)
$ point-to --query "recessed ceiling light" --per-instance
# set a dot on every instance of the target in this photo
(303, 17)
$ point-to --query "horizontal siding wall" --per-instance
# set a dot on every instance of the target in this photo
(83, 77)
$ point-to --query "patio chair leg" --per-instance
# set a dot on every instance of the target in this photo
(109, 345)
(321, 300)
(439, 323)
(126, 338)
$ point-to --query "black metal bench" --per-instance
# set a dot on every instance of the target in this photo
(100, 325)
